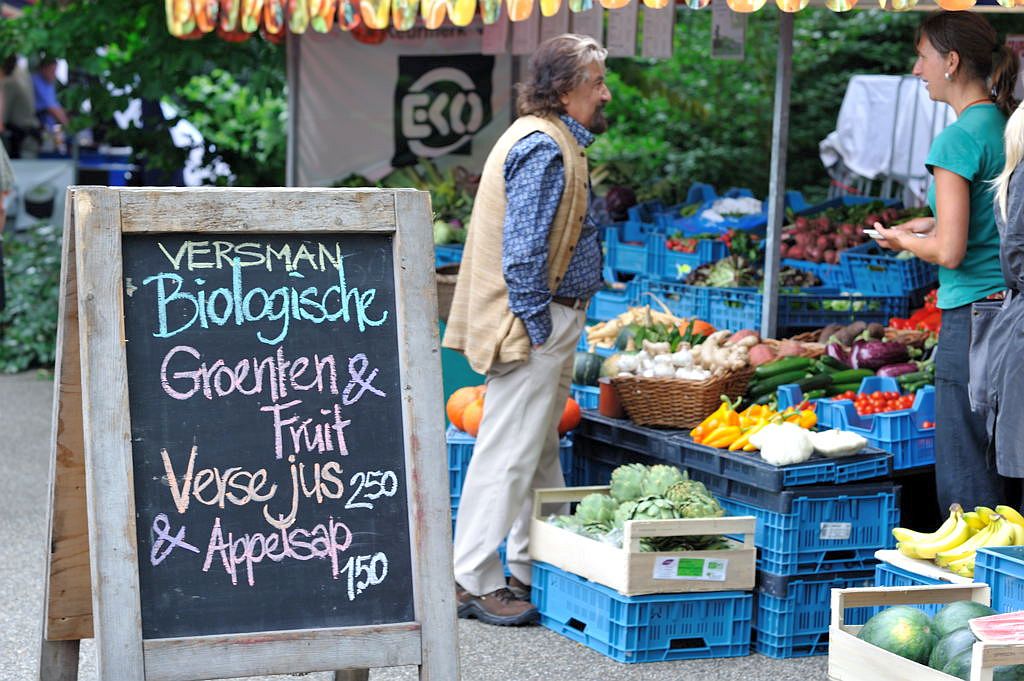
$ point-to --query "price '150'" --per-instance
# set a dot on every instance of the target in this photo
(364, 572)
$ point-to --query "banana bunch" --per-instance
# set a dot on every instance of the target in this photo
(954, 544)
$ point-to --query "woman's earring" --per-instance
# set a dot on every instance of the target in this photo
(948, 77)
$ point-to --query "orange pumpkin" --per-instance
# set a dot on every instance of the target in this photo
(458, 401)
(570, 417)
(472, 415)
(700, 327)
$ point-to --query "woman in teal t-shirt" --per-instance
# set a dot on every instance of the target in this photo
(963, 63)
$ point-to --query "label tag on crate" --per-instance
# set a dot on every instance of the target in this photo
(705, 569)
(836, 530)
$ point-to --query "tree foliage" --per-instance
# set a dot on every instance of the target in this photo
(119, 50)
(694, 118)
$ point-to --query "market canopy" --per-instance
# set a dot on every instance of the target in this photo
(237, 19)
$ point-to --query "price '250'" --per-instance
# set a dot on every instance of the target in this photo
(371, 485)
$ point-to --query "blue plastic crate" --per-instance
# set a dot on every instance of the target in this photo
(1002, 569)
(585, 395)
(750, 468)
(447, 254)
(673, 266)
(695, 224)
(623, 433)
(817, 529)
(624, 257)
(740, 308)
(900, 432)
(841, 201)
(682, 299)
(890, 575)
(790, 610)
(834, 276)
(595, 460)
(642, 628)
(460, 451)
(636, 231)
(611, 303)
(874, 269)
(645, 211)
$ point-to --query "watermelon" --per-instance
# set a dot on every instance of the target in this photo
(902, 630)
(949, 646)
(955, 615)
(586, 368)
(960, 667)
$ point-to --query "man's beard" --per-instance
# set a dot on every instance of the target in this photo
(598, 122)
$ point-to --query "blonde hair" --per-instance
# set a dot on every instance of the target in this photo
(557, 67)
(1014, 140)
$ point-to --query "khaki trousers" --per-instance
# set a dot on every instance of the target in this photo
(516, 451)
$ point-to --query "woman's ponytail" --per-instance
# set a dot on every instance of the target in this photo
(1005, 65)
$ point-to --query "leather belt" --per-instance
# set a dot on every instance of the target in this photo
(574, 303)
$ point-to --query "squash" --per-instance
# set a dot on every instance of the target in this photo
(627, 334)
(586, 368)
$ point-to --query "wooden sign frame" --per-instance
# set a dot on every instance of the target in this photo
(91, 478)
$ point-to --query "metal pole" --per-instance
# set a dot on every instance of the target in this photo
(777, 181)
(292, 46)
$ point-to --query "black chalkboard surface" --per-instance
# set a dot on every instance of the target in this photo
(267, 435)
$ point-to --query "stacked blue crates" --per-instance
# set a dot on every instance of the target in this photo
(819, 523)
(632, 629)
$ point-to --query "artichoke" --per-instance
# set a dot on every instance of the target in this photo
(654, 508)
(596, 509)
(623, 513)
(660, 478)
(627, 482)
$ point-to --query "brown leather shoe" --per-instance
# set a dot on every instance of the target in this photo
(462, 597)
(500, 607)
(521, 590)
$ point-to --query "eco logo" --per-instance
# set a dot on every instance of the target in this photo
(440, 103)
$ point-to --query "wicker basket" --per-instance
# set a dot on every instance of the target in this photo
(675, 402)
(446, 276)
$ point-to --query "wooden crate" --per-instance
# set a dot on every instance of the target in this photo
(851, 659)
(630, 571)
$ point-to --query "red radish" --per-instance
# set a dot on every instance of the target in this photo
(831, 257)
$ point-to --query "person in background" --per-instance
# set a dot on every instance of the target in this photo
(44, 83)
(20, 121)
(530, 264)
(6, 185)
(963, 63)
(1002, 371)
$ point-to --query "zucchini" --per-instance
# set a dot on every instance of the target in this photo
(915, 377)
(822, 368)
(814, 394)
(815, 382)
(840, 388)
(851, 375)
(832, 362)
(769, 385)
(782, 366)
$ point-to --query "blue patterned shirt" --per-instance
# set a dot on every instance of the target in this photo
(534, 181)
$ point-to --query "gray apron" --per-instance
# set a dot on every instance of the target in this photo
(997, 343)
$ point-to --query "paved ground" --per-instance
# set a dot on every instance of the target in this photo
(487, 653)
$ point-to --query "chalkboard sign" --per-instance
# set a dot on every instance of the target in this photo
(261, 419)
(262, 376)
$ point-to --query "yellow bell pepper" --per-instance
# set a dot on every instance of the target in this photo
(744, 439)
(723, 436)
(724, 415)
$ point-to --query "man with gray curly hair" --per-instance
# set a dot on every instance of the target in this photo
(530, 265)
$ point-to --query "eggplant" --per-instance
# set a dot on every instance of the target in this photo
(877, 354)
(894, 370)
(838, 353)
